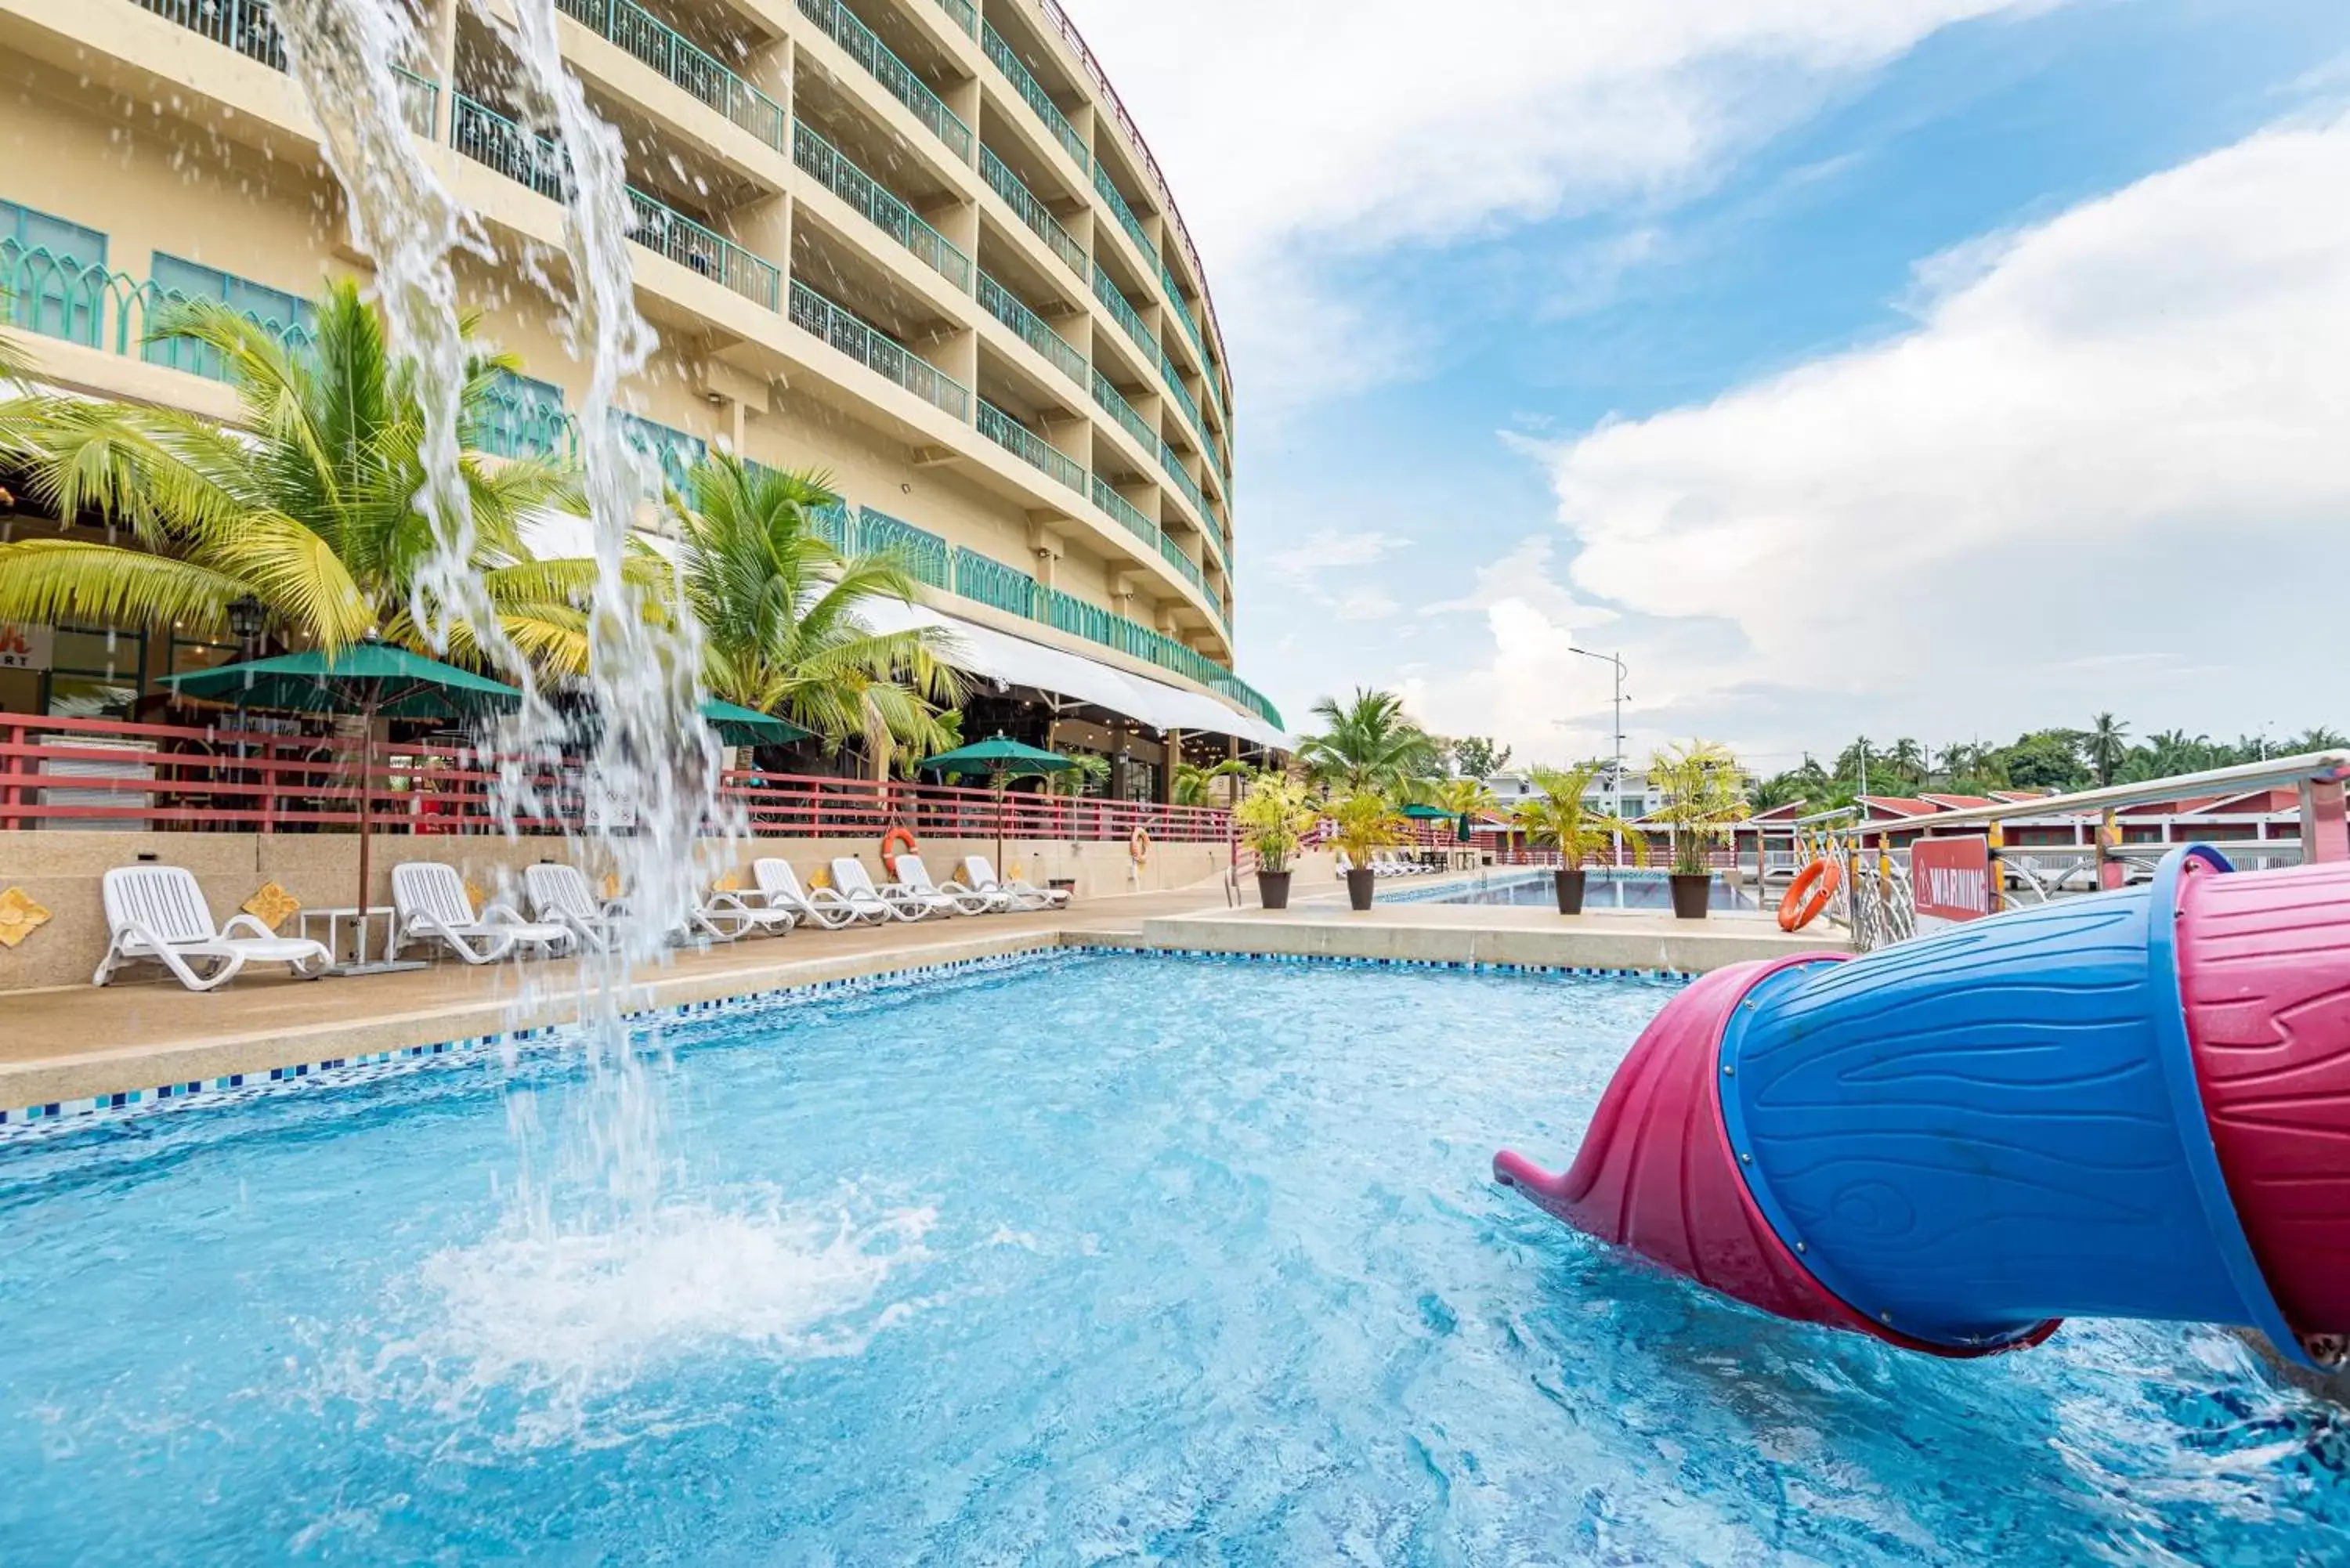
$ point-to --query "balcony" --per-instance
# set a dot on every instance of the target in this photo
(965, 15)
(878, 351)
(1001, 302)
(490, 139)
(1182, 563)
(1028, 446)
(1126, 316)
(1032, 212)
(831, 167)
(1130, 516)
(1114, 404)
(671, 234)
(1184, 481)
(1033, 93)
(676, 56)
(1124, 214)
(895, 75)
(248, 27)
(1183, 313)
(986, 580)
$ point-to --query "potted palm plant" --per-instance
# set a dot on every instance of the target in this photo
(1273, 818)
(1699, 783)
(1556, 819)
(1361, 823)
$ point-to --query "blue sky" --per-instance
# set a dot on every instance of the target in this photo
(1996, 328)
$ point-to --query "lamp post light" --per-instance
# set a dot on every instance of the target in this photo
(1616, 777)
(247, 618)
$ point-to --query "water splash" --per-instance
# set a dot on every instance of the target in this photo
(654, 769)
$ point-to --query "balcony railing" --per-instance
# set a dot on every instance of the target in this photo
(867, 49)
(990, 582)
(1128, 513)
(1181, 562)
(490, 139)
(965, 15)
(670, 233)
(65, 297)
(1183, 312)
(1124, 214)
(1184, 481)
(878, 351)
(1170, 373)
(420, 101)
(1028, 446)
(1125, 314)
(679, 58)
(927, 556)
(1032, 212)
(831, 167)
(1002, 304)
(248, 27)
(1007, 60)
(1114, 405)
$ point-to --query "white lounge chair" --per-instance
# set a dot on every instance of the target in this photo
(854, 883)
(979, 874)
(779, 888)
(1344, 861)
(559, 895)
(430, 904)
(159, 912)
(915, 877)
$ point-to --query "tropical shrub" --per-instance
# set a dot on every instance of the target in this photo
(1273, 818)
(1558, 820)
(1702, 798)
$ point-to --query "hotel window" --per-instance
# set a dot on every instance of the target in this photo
(55, 275)
(94, 673)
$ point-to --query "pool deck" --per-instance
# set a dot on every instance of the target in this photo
(75, 1042)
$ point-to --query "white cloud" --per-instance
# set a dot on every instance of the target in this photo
(2110, 468)
(1346, 126)
(1332, 547)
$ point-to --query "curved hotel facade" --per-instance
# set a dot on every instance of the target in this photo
(917, 245)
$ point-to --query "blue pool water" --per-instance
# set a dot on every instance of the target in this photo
(1601, 890)
(1104, 1259)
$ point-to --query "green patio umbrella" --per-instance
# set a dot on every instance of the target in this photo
(1000, 758)
(740, 726)
(372, 679)
(1419, 813)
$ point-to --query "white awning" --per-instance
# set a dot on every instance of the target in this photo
(983, 650)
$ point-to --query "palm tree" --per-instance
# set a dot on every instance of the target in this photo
(779, 609)
(1851, 763)
(307, 506)
(1371, 745)
(2107, 743)
(1908, 760)
(1557, 819)
(1195, 785)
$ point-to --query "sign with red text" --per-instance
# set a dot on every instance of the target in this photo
(1952, 880)
(24, 646)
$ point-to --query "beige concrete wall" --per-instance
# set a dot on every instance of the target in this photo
(61, 872)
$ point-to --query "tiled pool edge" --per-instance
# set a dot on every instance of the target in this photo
(19, 1123)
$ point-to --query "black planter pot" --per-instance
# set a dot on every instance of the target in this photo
(1273, 889)
(1359, 883)
(1570, 891)
(1691, 894)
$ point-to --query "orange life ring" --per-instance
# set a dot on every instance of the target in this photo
(1796, 911)
(1138, 847)
(891, 841)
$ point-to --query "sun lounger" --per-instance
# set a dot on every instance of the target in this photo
(979, 874)
(159, 913)
(431, 905)
(854, 883)
(915, 877)
(779, 888)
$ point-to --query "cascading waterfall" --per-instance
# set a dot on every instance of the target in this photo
(654, 770)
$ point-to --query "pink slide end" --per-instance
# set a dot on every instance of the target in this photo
(1656, 1173)
(2264, 975)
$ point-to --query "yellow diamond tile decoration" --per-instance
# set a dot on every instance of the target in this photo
(272, 906)
(730, 883)
(476, 894)
(612, 885)
(20, 917)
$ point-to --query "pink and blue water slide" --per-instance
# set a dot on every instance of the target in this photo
(2134, 1104)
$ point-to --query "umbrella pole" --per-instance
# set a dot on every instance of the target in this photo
(1000, 872)
(367, 790)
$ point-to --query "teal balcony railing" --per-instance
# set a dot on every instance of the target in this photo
(671, 232)
(1126, 316)
(524, 417)
(1129, 514)
(878, 351)
(1182, 563)
(1124, 214)
(832, 169)
(1114, 404)
(1028, 446)
(965, 15)
(1032, 212)
(990, 582)
(1183, 313)
(1183, 482)
(679, 58)
(867, 49)
(248, 27)
(1033, 93)
(1007, 307)
(420, 103)
(490, 139)
(928, 556)
(1170, 373)
(672, 453)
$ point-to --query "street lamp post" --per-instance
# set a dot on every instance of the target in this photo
(1616, 778)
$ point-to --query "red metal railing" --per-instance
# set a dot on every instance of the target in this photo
(90, 772)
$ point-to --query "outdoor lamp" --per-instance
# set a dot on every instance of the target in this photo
(246, 616)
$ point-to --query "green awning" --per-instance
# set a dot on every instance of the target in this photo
(997, 756)
(740, 726)
(372, 677)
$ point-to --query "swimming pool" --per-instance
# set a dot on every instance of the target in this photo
(1093, 1258)
(1601, 890)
